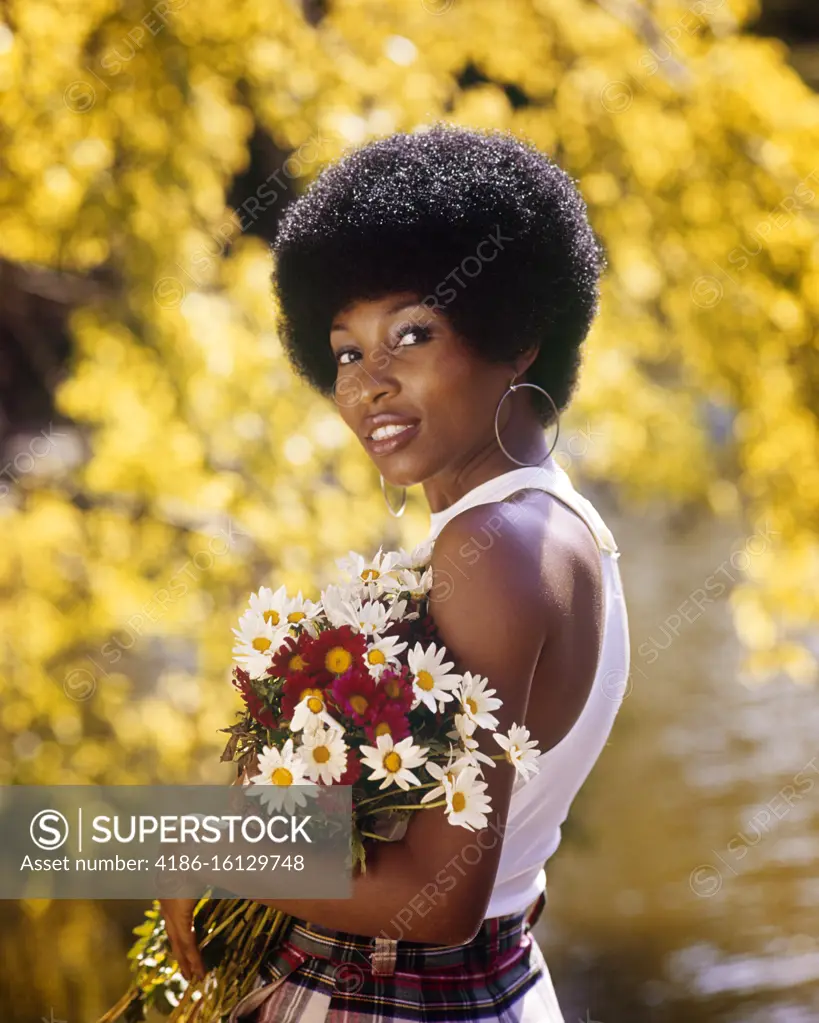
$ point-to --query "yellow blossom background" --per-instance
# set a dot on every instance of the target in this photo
(146, 153)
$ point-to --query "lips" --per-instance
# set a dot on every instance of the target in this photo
(372, 423)
(386, 445)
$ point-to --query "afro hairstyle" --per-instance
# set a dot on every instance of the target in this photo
(480, 225)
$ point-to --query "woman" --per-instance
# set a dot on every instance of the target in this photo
(439, 285)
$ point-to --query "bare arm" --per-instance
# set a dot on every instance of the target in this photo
(494, 619)
(497, 619)
(379, 896)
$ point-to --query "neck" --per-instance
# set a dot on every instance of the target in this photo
(450, 484)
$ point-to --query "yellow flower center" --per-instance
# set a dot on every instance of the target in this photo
(392, 688)
(425, 680)
(472, 705)
(376, 657)
(370, 573)
(321, 754)
(392, 761)
(338, 660)
(296, 616)
(359, 703)
(382, 728)
(458, 801)
(261, 643)
(297, 663)
(272, 616)
(281, 776)
(316, 704)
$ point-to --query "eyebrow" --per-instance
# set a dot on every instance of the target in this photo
(392, 310)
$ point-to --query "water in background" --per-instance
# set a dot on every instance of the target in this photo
(686, 887)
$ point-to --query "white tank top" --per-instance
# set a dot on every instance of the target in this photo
(540, 805)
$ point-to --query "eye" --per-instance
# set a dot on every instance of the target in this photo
(419, 332)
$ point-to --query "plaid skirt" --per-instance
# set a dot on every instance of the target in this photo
(318, 975)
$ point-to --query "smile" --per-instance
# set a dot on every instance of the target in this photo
(391, 430)
(385, 439)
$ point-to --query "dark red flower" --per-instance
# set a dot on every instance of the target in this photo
(388, 719)
(426, 630)
(294, 691)
(423, 629)
(335, 651)
(401, 629)
(240, 677)
(290, 657)
(254, 703)
(353, 771)
(395, 688)
(356, 694)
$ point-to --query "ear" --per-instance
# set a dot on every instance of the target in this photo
(525, 359)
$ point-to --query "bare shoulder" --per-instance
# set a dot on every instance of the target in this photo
(531, 548)
(521, 583)
(504, 600)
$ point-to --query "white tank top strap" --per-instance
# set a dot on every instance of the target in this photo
(540, 804)
(550, 478)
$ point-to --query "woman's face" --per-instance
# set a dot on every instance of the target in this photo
(401, 366)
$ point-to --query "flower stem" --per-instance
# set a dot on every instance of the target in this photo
(414, 806)
(387, 795)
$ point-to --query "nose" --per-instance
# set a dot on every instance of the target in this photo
(373, 379)
(378, 386)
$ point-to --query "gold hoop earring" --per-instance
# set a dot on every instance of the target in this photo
(514, 387)
(392, 511)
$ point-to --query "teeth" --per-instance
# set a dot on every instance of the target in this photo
(382, 432)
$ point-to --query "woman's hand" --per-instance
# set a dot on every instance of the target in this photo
(178, 916)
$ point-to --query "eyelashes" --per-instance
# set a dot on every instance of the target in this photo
(421, 332)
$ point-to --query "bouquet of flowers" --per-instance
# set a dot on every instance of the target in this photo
(354, 689)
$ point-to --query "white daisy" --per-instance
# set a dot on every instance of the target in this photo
(520, 751)
(448, 773)
(258, 640)
(431, 678)
(324, 753)
(421, 585)
(339, 606)
(311, 710)
(281, 783)
(370, 572)
(369, 617)
(383, 653)
(477, 701)
(269, 604)
(416, 559)
(467, 805)
(398, 611)
(373, 617)
(417, 583)
(278, 608)
(392, 761)
(302, 613)
(464, 728)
